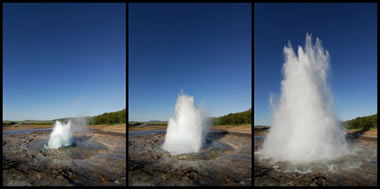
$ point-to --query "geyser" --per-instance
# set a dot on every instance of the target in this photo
(61, 136)
(304, 128)
(187, 129)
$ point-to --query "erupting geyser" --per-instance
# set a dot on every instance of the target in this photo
(61, 136)
(304, 128)
(187, 129)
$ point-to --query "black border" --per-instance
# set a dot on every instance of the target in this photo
(192, 1)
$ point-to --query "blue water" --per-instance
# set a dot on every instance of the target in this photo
(25, 131)
(134, 133)
(260, 138)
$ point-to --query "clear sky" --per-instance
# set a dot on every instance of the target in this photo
(202, 49)
(347, 31)
(63, 60)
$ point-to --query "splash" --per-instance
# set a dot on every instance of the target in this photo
(304, 128)
(187, 129)
(61, 136)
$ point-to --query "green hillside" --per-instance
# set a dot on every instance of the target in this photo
(109, 118)
(364, 123)
(234, 118)
(117, 117)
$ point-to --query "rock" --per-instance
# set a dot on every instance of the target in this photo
(163, 177)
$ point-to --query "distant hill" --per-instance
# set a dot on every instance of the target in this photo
(364, 123)
(103, 119)
(109, 118)
(68, 118)
(230, 119)
(234, 118)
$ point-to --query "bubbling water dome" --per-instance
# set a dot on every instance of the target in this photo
(61, 136)
(187, 129)
(304, 128)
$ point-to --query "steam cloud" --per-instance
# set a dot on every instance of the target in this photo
(304, 128)
(62, 135)
(187, 129)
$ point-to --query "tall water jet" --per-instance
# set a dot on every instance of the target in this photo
(187, 129)
(304, 128)
(61, 136)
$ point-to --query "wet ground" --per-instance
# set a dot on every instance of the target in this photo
(224, 160)
(97, 158)
(357, 169)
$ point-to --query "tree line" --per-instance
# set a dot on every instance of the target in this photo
(364, 123)
(234, 118)
(109, 118)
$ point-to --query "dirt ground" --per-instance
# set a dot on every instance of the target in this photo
(236, 129)
(369, 133)
(113, 128)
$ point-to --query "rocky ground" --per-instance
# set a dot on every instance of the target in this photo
(24, 164)
(149, 165)
(364, 175)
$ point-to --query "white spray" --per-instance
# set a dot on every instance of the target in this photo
(61, 136)
(304, 128)
(187, 129)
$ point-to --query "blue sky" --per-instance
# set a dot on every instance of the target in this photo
(202, 49)
(63, 60)
(347, 31)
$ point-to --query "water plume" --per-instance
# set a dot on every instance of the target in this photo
(61, 136)
(187, 129)
(304, 128)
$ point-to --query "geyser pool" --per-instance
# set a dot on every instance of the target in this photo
(62, 135)
(304, 128)
(187, 129)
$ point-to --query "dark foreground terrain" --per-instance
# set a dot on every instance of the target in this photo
(362, 173)
(98, 159)
(224, 161)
